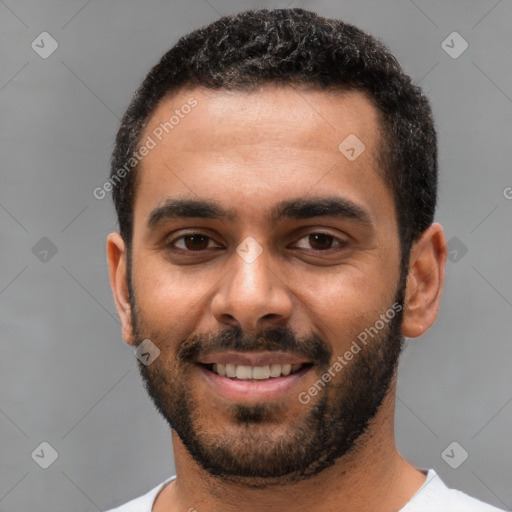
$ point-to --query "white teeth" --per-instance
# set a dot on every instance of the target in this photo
(243, 372)
(275, 370)
(286, 369)
(254, 372)
(260, 372)
(230, 370)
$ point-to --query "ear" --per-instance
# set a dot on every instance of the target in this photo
(425, 281)
(116, 257)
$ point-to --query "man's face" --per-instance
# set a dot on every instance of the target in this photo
(273, 283)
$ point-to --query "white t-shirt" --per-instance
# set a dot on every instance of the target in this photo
(432, 496)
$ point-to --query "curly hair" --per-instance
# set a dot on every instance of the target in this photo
(296, 47)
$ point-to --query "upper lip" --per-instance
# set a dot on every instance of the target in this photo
(251, 358)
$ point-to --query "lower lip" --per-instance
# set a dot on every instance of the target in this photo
(255, 390)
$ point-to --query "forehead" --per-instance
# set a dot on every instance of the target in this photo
(267, 143)
(282, 112)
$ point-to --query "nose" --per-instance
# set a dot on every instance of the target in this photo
(252, 296)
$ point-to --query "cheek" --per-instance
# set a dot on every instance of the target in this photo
(170, 300)
(344, 303)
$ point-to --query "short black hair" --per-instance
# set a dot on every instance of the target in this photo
(296, 47)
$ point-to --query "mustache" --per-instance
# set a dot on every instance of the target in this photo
(283, 338)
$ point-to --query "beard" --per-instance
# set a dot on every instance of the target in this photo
(262, 445)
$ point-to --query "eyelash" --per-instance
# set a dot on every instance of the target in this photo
(341, 243)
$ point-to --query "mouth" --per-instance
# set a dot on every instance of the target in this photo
(253, 377)
(254, 373)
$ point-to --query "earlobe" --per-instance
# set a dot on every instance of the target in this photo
(116, 258)
(425, 281)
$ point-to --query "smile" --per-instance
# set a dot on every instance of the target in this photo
(252, 377)
(243, 372)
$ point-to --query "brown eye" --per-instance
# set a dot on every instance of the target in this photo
(320, 241)
(196, 242)
(191, 242)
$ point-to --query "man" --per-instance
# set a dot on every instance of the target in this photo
(275, 183)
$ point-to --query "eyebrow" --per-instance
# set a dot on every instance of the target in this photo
(298, 208)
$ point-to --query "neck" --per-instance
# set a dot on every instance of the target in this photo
(373, 477)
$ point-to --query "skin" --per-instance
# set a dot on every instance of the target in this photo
(249, 151)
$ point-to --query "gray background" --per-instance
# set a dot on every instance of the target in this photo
(67, 377)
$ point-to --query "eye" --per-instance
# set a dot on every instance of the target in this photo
(191, 242)
(322, 242)
(197, 242)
